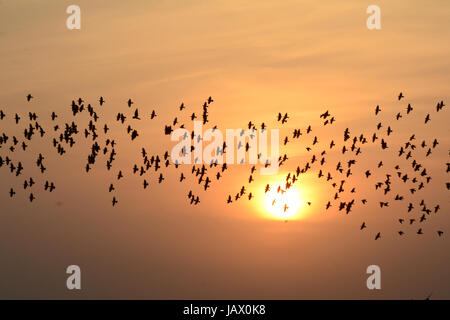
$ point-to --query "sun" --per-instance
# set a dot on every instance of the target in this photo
(284, 204)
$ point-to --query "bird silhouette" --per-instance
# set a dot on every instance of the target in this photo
(377, 110)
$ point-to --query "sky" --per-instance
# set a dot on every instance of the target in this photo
(256, 59)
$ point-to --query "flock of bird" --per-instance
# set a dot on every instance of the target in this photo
(64, 135)
(414, 176)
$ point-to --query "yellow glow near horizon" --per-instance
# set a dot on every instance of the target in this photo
(275, 202)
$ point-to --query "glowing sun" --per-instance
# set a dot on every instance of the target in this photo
(283, 204)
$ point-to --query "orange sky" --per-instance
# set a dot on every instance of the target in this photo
(255, 58)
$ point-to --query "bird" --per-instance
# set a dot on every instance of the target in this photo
(325, 114)
(400, 96)
(377, 110)
(136, 115)
(409, 109)
(29, 97)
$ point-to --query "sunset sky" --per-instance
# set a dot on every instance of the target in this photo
(256, 59)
